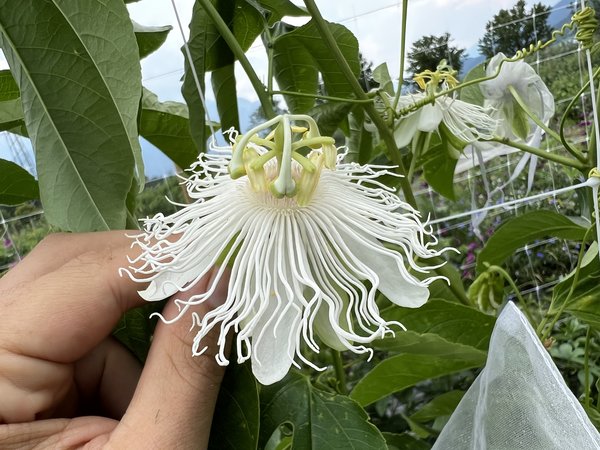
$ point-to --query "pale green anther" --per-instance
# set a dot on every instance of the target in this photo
(256, 175)
(305, 162)
(309, 180)
(330, 154)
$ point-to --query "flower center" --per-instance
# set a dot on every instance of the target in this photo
(276, 164)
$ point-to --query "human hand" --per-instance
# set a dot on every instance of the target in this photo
(58, 360)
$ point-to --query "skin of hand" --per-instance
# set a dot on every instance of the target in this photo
(58, 359)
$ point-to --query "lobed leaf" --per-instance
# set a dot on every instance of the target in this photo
(16, 184)
(80, 95)
(320, 420)
(524, 229)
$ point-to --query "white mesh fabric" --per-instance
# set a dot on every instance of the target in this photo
(519, 401)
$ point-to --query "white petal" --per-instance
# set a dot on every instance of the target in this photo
(274, 342)
(406, 129)
(430, 117)
(169, 282)
(392, 283)
(323, 328)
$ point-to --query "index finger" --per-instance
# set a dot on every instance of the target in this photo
(68, 310)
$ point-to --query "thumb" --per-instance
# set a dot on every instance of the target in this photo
(175, 399)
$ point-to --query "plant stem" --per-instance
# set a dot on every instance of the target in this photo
(324, 97)
(402, 54)
(340, 373)
(392, 150)
(563, 160)
(237, 51)
(586, 366)
(515, 289)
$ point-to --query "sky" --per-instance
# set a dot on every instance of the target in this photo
(375, 23)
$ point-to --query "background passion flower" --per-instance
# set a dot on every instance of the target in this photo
(299, 261)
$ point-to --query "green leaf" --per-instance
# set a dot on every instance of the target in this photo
(209, 52)
(472, 94)
(360, 141)
(584, 302)
(451, 321)
(438, 170)
(329, 116)
(381, 74)
(11, 109)
(224, 87)
(298, 54)
(295, 71)
(524, 229)
(135, 329)
(166, 126)
(150, 38)
(16, 184)
(404, 441)
(280, 8)
(9, 90)
(402, 371)
(236, 421)
(80, 97)
(320, 420)
(443, 405)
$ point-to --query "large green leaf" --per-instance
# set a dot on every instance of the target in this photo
(224, 87)
(80, 97)
(275, 10)
(472, 94)
(11, 109)
(451, 321)
(166, 126)
(299, 54)
(295, 71)
(150, 38)
(584, 302)
(236, 421)
(404, 441)
(330, 115)
(209, 52)
(360, 141)
(438, 169)
(16, 184)
(443, 405)
(320, 420)
(524, 229)
(401, 371)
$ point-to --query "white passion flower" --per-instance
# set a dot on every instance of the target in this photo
(309, 240)
(516, 79)
(463, 120)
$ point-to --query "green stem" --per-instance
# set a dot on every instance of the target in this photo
(561, 129)
(499, 270)
(444, 271)
(402, 54)
(385, 133)
(234, 45)
(563, 160)
(340, 373)
(324, 97)
(576, 153)
(586, 367)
